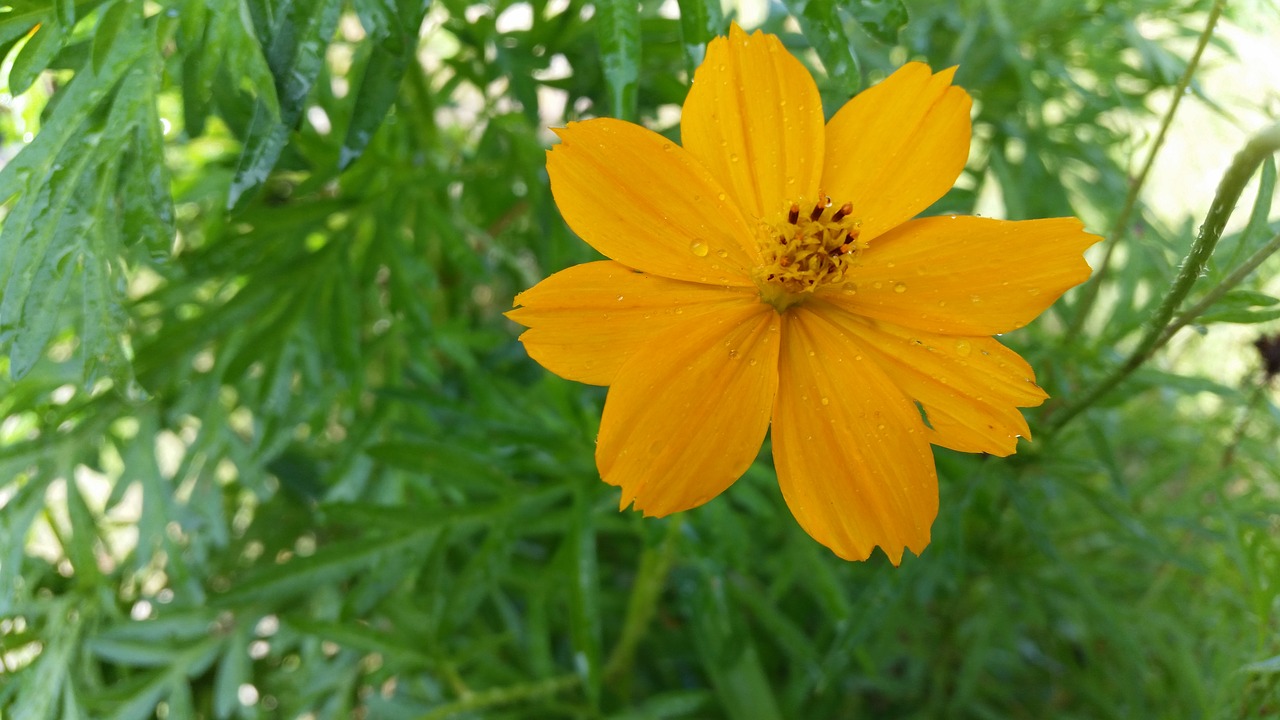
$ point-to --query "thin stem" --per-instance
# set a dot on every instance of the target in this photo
(1242, 422)
(1235, 278)
(1089, 293)
(655, 564)
(1246, 162)
(505, 696)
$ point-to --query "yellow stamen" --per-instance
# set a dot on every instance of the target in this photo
(804, 253)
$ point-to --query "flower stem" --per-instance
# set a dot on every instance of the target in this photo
(651, 578)
(1089, 293)
(1232, 280)
(1246, 162)
(505, 696)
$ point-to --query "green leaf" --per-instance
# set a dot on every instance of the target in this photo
(43, 684)
(618, 32)
(881, 19)
(332, 563)
(120, 16)
(394, 34)
(35, 56)
(584, 593)
(233, 671)
(820, 21)
(294, 47)
(727, 653)
(700, 22)
(1242, 306)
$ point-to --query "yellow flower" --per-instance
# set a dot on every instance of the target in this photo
(768, 272)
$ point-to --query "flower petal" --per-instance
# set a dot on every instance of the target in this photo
(688, 412)
(644, 201)
(586, 321)
(966, 275)
(852, 455)
(754, 118)
(897, 147)
(970, 387)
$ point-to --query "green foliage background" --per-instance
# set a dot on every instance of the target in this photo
(268, 447)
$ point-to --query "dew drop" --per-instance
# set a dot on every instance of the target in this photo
(975, 299)
(963, 347)
(733, 157)
(877, 284)
(753, 361)
(722, 253)
(900, 288)
(733, 354)
(699, 248)
(666, 146)
(721, 196)
(619, 298)
(880, 427)
(825, 401)
(812, 353)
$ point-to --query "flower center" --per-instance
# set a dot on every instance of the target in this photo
(804, 250)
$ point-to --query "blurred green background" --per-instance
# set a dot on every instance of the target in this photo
(268, 447)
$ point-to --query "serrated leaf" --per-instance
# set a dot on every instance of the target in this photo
(38, 277)
(393, 35)
(881, 19)
(618, 33)
(295, 53)
(820, 21)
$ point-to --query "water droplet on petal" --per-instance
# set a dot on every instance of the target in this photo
(619, 298)
(699, 248)
(722, 253)
(721, 196)
(963, 348)
(753, 361)
(733, 157)
(900, 288)
(825, 401)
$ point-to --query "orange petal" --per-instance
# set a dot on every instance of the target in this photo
(970, 387)
(897, 147)
(586, 321)
(687, 414)
(852, 455)
(966, 275)
(754, 119)
(644, 201)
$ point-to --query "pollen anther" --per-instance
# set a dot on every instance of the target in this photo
(802, 253)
